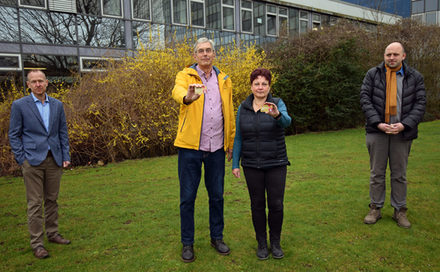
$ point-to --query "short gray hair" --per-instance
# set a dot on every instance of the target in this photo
(35, 71)
(204, 40)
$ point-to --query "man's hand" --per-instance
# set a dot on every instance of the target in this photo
(391, 129)
(236, 172)
(66, 164)
(191, 95)
(396, 128)
(384, 127)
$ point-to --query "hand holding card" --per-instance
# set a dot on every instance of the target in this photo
(266, 108)
(199, 90)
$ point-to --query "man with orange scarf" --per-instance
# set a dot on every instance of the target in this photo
(393, 100)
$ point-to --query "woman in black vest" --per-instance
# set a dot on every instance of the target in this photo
(259, 142)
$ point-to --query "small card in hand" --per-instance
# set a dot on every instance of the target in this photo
(266, 108)
(199, 90)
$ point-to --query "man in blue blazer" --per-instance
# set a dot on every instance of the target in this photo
(40, 143)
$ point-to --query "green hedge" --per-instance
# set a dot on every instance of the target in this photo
(320, 73)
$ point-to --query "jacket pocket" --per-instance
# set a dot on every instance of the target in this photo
(183, 123)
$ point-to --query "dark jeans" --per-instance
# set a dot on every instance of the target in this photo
(272, 181)
(189, 168)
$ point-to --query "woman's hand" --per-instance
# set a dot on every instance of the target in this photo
(236, 172)
(273, 109)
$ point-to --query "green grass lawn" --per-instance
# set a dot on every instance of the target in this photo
(125, 216)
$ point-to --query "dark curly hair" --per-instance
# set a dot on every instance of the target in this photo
(261, 72)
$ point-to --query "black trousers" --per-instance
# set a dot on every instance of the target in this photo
(273, 182)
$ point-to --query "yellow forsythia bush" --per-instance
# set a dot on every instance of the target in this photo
(7, 96)
(128, 112)
(238, 62)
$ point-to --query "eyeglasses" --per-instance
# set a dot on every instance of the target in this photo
(201, 50)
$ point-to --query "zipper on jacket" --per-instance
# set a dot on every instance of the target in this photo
(203, 110)
(257, 149)
(201, 126)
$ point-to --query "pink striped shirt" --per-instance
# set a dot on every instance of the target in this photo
(211, 137)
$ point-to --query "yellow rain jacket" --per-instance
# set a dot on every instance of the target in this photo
(191, 116)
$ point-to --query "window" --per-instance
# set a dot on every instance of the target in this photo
(40, 26)
(277, 21)
(63, 5)
(8, 3)
(52, 65)
(431, 5)
(333, 20)
(111, 8)
(8, 24)
(293, 21)
(33, 3)
(180, 12)
(283, 24)
(161, 11)
(316, 21)
(100, 32)
(247, 25)
(417, 7)
(259, 18)
(96, 64)
(10, 62)
(303, 21)
(228, 13)
(271, 20)
(213, 14)
(417, 18)
(91, 7)
(197, 13)
(141, 9)
(148, 36)
(431, 18)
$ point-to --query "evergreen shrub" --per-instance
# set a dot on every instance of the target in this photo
(320, 72)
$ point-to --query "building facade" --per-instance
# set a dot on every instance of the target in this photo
(65, 36)
(426, 11)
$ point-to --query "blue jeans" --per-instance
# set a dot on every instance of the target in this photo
(190, 169)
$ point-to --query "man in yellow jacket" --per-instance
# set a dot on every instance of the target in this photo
(205, 135)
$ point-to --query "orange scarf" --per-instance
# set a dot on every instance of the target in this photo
(391, 101)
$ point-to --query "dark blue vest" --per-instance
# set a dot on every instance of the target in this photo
(263, 144)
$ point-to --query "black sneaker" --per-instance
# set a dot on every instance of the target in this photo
(220, 246)
(188, 254)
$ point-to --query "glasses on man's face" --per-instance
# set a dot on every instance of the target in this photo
(201, 50)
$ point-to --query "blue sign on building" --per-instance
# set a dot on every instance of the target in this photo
(399, 7)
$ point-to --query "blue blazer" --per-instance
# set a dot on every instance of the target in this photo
(28, 137)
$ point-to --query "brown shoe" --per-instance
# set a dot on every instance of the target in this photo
(400, 217)
(58, 239)
(373, 216)
(40, 252)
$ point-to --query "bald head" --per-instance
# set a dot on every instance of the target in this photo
(394, 54)
(396, 45)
